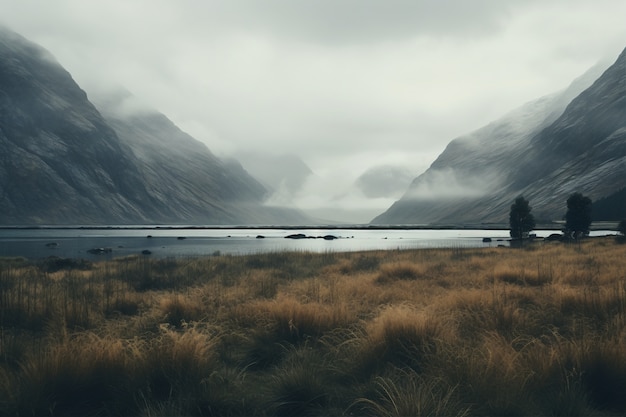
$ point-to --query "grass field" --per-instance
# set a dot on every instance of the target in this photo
(539, 330)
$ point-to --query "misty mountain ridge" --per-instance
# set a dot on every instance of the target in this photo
(572, 141)
(66, 162)
(69, 160)
(328, 199)
(284, 175)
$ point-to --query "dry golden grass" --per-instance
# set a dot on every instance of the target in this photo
(536, 330)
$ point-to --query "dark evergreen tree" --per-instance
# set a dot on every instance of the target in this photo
(611, 207)
(578, 216)
(621, 227)
(521, 220)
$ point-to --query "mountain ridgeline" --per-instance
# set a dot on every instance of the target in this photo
(66, 161)
(69, 160)
(572, 141)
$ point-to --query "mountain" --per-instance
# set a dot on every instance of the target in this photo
(284, 174)
(65, 162)
(183, 174)
(572, 141)
(60, 160)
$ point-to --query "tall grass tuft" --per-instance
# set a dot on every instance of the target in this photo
(300, 385)
(400, 336)
(75, 378)
(406, 393)
(399, 271)
(176, 363)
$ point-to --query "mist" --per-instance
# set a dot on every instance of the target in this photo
(352, 190)
(449, 184)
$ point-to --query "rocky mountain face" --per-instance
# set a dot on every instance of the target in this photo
(572, 141)
(65, 162)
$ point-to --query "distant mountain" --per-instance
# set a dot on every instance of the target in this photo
(573, 141)
(62, 162)
(284, 174)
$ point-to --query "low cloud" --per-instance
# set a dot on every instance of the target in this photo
(333, 193)
(447, 183)
(338, 200)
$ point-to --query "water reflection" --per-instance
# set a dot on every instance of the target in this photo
(164, 242)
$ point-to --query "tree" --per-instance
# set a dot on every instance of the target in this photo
(578, 216)
(621, 227)
(521, 221)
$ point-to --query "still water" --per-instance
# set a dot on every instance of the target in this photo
(79, 242)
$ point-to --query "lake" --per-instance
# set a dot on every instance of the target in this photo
(166, 241)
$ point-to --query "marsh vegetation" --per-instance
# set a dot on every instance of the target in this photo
(492, 331)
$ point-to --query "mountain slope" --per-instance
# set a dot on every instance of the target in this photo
(545, 150)
(62, 162)
(183, 173)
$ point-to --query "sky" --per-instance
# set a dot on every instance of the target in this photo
(344, 84)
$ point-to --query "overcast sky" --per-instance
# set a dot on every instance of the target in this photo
(343, 84)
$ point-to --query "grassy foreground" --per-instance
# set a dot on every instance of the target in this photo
(451, 332)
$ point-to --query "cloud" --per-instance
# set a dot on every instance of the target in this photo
(335, 197)
(363, 21)
(447, 183)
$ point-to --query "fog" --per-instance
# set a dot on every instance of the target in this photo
(447, 183)
(345, 86)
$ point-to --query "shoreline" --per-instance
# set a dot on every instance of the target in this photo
(603, 225)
